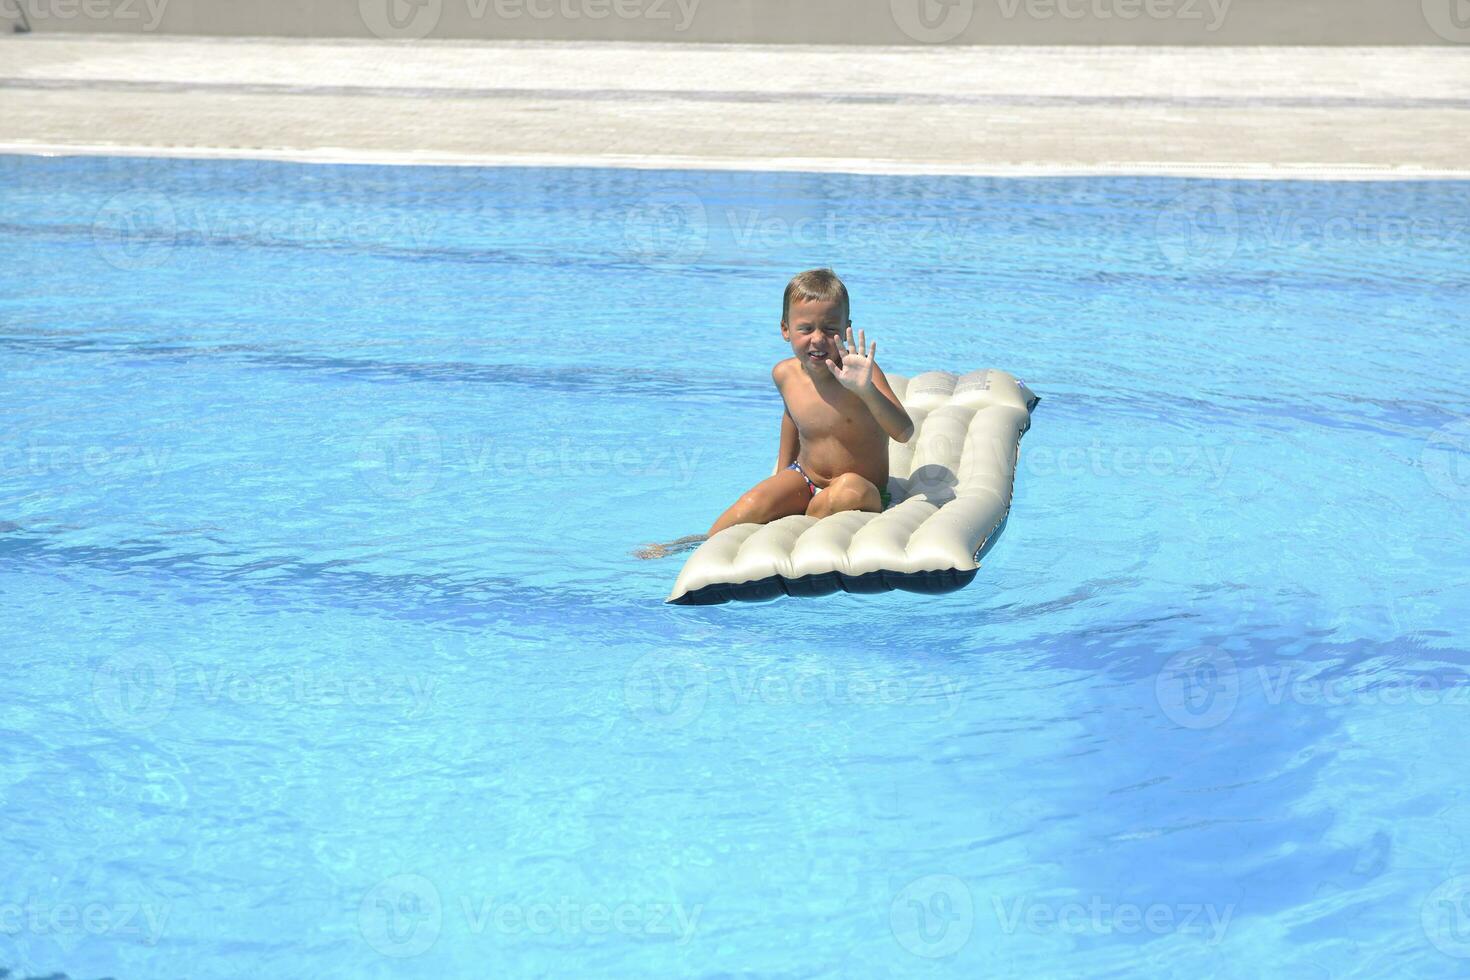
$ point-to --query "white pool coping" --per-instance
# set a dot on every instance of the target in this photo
(340, 156)
(1251, 113)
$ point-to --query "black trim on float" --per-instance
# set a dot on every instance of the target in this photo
(995, 533)
(775, 586)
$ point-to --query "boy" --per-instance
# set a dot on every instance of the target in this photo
(840, 414)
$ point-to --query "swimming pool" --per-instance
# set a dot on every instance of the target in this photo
(326, 655)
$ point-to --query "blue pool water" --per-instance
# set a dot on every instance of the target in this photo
(325, 654)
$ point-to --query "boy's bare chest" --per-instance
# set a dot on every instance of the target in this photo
(816, 415)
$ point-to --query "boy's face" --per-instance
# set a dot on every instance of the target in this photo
(814, 328)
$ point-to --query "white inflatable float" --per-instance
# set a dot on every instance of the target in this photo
(950, 486)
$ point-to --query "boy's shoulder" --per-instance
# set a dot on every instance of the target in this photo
(783, 370)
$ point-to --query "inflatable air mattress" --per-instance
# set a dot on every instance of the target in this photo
(950, 486)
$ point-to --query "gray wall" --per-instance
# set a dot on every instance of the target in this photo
(763, 21)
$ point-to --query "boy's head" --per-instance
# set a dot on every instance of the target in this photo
(820, 285)
(815, 315)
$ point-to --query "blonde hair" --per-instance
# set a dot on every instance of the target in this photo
(814, 284)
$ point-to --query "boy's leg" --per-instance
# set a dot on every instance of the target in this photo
(773, 498)
(848, 492)
(687, 543)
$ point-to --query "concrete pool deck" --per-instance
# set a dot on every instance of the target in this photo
(1319, 113)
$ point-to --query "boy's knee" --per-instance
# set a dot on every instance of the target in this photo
(763, 507)
(848, 481)
(754, 507)
(851, 492)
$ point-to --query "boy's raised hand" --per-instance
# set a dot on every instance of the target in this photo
(855, 370)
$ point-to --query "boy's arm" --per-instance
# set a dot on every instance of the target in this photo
(886, 408)
(790, 443)
(790, 439)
